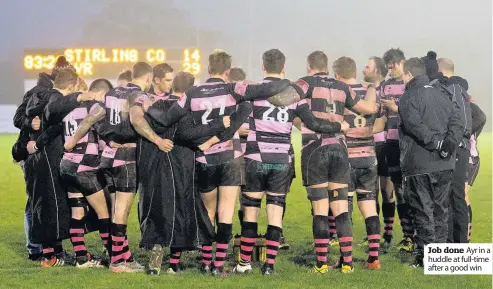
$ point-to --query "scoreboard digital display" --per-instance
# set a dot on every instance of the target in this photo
(109, 62)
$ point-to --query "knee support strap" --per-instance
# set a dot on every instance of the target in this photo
(338, 194)
(248, 201)
(276, 200)
(79, 202)
(316, 194)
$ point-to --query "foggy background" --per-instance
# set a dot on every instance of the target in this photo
(459, 30)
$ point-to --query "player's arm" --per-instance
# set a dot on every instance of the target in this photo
(413, 124)
(379, 124)
(36, 104)
(368, 105)
(193, 135)
(21, 121)
(272, 91)
(244, 129)
(297, 123)
(97, 113)
(313, 123)
(58, 108)
(167, 118)
(49, 135)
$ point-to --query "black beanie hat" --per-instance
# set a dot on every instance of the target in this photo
(61, 64)
(431, 64)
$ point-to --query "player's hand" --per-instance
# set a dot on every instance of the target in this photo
(205, 146)
(115, 145)
(86, 96)
(31, 147)
(69, 145)
(390, 104)
(99, 96)
(36, 123)
(226, 121)
(164, 144)
(345, 126)
(147, 103)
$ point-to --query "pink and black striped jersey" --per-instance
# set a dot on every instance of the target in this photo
(116, 105)
(392, 89)
(359, 137)
(327, 98)
(85, 155)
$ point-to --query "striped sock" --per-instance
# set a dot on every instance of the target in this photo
(127, 255)
(345, 234)
(104, 232)
(48, 251)
(373, 233)
(248, 240)
(272, 238)
(174, 259)
(320, 229)
(407, 229)
(332, 226)
(388, 211)
(207, 254)
(77, 236)
(224, 234)
(118, 247)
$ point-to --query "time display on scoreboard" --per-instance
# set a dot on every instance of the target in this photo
(105, 62)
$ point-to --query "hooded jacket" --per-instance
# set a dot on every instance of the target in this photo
(428, 116)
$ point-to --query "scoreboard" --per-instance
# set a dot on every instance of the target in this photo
(107, 63)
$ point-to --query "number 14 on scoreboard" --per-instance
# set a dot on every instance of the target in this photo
(191, 61)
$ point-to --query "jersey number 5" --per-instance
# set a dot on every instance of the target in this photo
(209, 106)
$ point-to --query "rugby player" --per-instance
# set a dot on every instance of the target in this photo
(79, 169)
(375, 72)
(162, 79)
(391, 90)
(362, 159)
(268, 168)
(124, 78)
(325, 164)
(120, 162)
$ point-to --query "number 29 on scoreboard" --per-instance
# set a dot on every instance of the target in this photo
(191, 61)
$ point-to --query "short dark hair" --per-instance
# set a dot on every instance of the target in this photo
(380, 65)
(126, 75)
(183, 81)
(273, 61)
(101, 84)
(318, 60)
(219, 62)
(393, 55)
(140, 69)
(160, 70)
(415, 66)
(237, 74)
(345, 67)
(64, 78)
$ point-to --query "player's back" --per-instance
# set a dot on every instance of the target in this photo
(116, 102)
(269, 138)
(327, 98)
(208, 101)
(85, 155)
(392, 89)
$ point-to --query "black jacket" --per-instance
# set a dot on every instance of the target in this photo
(428, 116)
(455, 85)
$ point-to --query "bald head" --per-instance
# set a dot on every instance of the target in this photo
(446, 67)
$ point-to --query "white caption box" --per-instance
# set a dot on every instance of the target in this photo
(458, 259)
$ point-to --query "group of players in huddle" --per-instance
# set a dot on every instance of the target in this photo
(190, 150)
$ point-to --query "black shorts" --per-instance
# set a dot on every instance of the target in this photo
(364, 180)
(393, 153)
(473, 170)
(322, 164)
(124, 178)
(87, 183)
(211, 176)
(382, 168)
(263, 177)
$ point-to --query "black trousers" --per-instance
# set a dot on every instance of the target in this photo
(428, 197)
(458, 212)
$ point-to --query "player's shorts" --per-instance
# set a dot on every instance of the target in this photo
(211, 176)
(124, 177)
(110, 185)
(325, 161)
(264, 177)
(473, 170)
(87, 182)
(382, 168)
(393, 153)
(364, 180)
